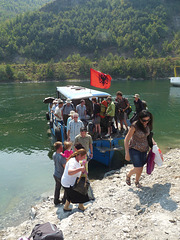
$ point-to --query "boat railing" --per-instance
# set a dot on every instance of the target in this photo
(175, 71)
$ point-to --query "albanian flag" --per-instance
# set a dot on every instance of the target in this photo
(99, 79)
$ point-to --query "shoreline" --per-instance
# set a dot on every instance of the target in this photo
(85, 79)
(119, 211)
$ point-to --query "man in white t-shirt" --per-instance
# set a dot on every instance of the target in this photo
(58, 111)
(74, 127)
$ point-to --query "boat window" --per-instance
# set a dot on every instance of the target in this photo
(76, 102)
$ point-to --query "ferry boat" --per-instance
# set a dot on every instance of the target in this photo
(103, 148)
(175, 81)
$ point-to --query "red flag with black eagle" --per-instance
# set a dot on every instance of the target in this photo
(99, 79)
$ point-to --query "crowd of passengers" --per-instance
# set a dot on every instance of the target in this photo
(105, 115)
(78, 147)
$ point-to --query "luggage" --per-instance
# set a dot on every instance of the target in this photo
(149, 139)
(158, 155)
(134, 118)
(150, 162)
(81, 187)
(46, 231)
(128, 111)
(91, 128)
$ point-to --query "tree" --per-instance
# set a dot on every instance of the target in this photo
(9, 72)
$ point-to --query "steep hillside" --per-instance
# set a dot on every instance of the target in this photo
(62, 5)
(94, 28)
(10, 8)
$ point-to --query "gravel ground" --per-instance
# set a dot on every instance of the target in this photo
(119, 211)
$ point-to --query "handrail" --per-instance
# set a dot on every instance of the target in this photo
(175, 73)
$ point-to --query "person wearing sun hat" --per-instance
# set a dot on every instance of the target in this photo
(54, 105)
(138, 103)
(68, 106)
(138, 107)
(70, 118)
(58, 111)
(74, 127)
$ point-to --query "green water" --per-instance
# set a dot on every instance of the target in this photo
(25, 144)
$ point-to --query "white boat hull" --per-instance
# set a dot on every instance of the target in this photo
(175, 81)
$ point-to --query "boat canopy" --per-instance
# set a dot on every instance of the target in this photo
(78, 92)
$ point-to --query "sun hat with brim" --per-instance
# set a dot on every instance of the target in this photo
(136, 95)
(109, 98)
(60, 101)
(68, 100)
(71, 113)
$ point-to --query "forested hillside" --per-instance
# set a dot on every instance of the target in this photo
(10, 8)
(94, 28)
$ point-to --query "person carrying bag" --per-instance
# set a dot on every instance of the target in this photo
(72, 171)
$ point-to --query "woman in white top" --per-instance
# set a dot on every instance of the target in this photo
(73, 169)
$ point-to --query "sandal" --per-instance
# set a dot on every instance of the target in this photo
(138, 185)
(128, 180)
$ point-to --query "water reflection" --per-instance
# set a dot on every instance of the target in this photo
(23, 178)
(174, 93)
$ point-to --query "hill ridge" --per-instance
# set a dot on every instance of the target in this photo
(131, 28)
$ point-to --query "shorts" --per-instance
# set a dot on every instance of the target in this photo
(139, 159)
(109, 121)
(97, 120)
(122, 116)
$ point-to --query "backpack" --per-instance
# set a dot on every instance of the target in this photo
(46, 231)
(129, 109)
(103, 106)
(144, 105)
(91, 128)
(64, 107)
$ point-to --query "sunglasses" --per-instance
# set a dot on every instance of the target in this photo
(143, 120)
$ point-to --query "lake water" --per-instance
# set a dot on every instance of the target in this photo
(25, 144)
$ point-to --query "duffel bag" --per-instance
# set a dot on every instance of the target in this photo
(46, 231)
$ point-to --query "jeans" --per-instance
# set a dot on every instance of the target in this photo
(57, 190)
(139, 159)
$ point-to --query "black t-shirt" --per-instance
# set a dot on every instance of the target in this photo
(138, 105)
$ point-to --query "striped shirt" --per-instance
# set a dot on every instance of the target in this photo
(74, 128)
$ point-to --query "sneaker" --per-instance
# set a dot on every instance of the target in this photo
(107, 135)
(99, 136)
(57, 202)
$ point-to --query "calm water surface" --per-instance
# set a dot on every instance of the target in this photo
(25, 144)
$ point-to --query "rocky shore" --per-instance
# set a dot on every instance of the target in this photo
(119, 211)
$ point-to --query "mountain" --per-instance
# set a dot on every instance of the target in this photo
(10, 8)
(94, 28)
